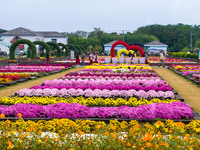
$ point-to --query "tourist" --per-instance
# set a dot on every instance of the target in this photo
(91, 58)
(77, 59)
(83, 58)
(162, 58)
(96, 58)
(47, 56)
(146, 58)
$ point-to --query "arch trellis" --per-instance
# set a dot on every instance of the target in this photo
(72, 47)
(64, 47)
(44, 46)
(132, 47)
(54, 45)
(23, 41)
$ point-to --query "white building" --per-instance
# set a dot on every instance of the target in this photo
(155, 47)
(7, 38)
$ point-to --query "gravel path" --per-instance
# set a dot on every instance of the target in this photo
(186, 89)
(9, 90)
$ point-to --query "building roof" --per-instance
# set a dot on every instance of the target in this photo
(111, 43)
(27, 32)
(51, 34)
(155, 43)
(19, 32)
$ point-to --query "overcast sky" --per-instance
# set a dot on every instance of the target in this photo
(109, 15)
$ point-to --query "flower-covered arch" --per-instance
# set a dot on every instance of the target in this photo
(132, 47)
(115, 44)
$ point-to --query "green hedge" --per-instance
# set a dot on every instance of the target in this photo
(44, 46)
(56, 47)
(23, 41)
(64, 47)
(72, 47)
(185, 55)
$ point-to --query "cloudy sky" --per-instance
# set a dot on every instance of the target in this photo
(109, 15)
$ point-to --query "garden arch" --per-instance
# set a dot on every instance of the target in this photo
(56, 47)
(64, 47)
(134, 47)
(115, 44)
(44, 46)
(23, 41)
(72, 47)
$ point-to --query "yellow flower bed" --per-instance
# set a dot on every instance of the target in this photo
(7, 80)
(116, 135)
(21, 75)
(121, 66)
(84, 101)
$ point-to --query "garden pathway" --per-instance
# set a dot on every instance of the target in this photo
(9, 90)
(186, 89)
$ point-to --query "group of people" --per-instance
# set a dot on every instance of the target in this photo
(92, 58)
(162, 58)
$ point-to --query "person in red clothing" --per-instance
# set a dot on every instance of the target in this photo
(47, 57)
(77, 59)
(96, 58)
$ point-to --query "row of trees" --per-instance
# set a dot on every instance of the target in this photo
(177, 37)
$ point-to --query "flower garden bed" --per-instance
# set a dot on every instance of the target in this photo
(190, 72)
(10, 74)
(73, 117)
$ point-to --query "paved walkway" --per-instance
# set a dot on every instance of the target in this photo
(186, 89)
(9, 90)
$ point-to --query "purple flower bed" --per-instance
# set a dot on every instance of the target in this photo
(122, 78)
(44, 64)
(104, 83)
(111, 74)
(94, 93)
(175, 110)
(102, 87)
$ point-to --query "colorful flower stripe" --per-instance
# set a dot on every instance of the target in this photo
(14, 76)
(30, 68)
(175, 110)
(118, 66)
(133, 101)
(44, 64)
(168, 60)
(113, 74)
(105, 87)
(104, 82)
(108, 78)
(93, 93)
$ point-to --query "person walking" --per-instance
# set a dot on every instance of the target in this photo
(91, 58)
(47, 56)
(146, 58)
(96, 58)
(83, 58)
(162, 58)
(77, 59)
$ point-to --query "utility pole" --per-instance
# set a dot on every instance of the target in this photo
(190, 41)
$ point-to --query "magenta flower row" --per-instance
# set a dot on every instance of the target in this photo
(175, 110)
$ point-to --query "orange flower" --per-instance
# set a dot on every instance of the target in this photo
(9, 143)
(142, 148)
(80, 132)
(156, 146)
(161, 143)
(137, 125)
(71, 149)
(26, 134)
(19, 115)
(148, 144)
(106, 133)
(128, 144)
(39, 132)
(2, 116)
(166, 144)
(187, 135)
(21, 136)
